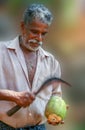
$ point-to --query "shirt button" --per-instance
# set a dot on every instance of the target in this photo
(30, 114)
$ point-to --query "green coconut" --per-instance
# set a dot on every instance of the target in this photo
(56, 105)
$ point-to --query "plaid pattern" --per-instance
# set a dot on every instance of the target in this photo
(4, 126)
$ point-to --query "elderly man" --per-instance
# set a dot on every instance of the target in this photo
(24, 66)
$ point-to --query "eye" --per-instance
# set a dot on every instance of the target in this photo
(33, 31)
(44, 33)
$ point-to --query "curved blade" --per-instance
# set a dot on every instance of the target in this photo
(51, 81)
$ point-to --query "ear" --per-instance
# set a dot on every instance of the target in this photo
(22, 25)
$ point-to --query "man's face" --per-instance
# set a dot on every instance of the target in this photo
(33, 34)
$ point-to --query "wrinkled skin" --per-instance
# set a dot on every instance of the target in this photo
(24, 99)
(35, 31)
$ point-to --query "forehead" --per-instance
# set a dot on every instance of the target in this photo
(37, 25)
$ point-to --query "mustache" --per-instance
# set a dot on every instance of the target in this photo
(35, 41)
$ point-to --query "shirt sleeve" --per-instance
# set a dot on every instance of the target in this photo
(57, 73)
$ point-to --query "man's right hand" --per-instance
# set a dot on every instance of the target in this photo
(24, 99)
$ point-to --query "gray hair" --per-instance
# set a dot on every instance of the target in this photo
(37, 11)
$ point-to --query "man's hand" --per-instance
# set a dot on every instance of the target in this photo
(24, 99)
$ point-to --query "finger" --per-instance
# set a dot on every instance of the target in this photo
(32, 96)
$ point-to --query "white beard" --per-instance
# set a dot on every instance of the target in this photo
(31, 41)
(31, 48)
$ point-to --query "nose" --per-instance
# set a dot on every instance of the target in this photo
(39, 37)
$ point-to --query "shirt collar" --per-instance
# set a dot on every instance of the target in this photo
(14, 45)
(43, 53)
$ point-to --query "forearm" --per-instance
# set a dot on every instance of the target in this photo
(20, 98)
(7, 95)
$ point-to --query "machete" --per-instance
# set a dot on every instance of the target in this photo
(43, 86)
